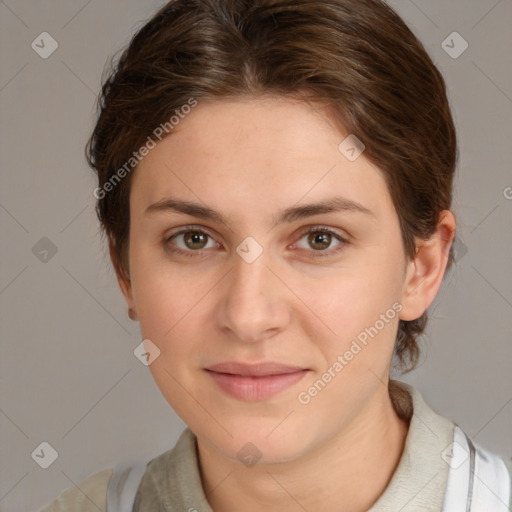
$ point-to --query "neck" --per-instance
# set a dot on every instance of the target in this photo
(348, 473)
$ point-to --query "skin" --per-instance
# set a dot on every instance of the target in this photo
(250, 159)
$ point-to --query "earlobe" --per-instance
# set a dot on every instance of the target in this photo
(425, 272)
(124, 282)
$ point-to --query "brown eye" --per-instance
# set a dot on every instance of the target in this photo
(195, 239)
(189, 241)
(319, 240)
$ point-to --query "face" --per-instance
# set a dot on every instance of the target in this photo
(258, 256)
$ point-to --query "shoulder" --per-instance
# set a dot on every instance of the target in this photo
(124, 481)
(437, 445)
(88, 496)
(490, 477)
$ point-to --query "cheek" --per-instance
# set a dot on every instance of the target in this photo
(175, 312)
(168, 310)
(163, 292)
(347, 301)
(166, 307)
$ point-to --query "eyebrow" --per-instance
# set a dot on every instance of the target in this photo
(335, 204)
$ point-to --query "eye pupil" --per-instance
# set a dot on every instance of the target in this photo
(195, 238)
(322, 239)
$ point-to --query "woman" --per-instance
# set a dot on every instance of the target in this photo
(275, 183)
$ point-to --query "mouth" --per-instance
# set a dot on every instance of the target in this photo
(255, 382)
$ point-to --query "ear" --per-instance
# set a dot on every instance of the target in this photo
(424, 274)
(124, 282)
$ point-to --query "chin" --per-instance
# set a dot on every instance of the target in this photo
(257, 440)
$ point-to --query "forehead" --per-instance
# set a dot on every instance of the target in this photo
(257, 153)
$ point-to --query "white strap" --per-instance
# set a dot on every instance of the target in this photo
(123, 486)
(457, 488)
(478, 480)
(492, 483)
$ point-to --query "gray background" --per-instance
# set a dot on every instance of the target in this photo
(68, 373)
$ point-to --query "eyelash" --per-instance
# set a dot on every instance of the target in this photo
(315, 254)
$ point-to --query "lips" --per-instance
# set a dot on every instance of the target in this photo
(255, 382)
(254, 370)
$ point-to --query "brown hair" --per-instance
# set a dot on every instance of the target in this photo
(358, 55)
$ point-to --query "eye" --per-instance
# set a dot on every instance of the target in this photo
(189, 240)
(192, 241)
(321, 240)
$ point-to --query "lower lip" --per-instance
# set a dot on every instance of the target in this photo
(253, 389)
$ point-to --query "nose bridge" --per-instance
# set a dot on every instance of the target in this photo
(250, 277)
(254, 305)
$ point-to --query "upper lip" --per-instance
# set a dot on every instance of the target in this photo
(263, 369)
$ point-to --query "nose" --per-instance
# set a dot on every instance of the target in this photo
(254, 304)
